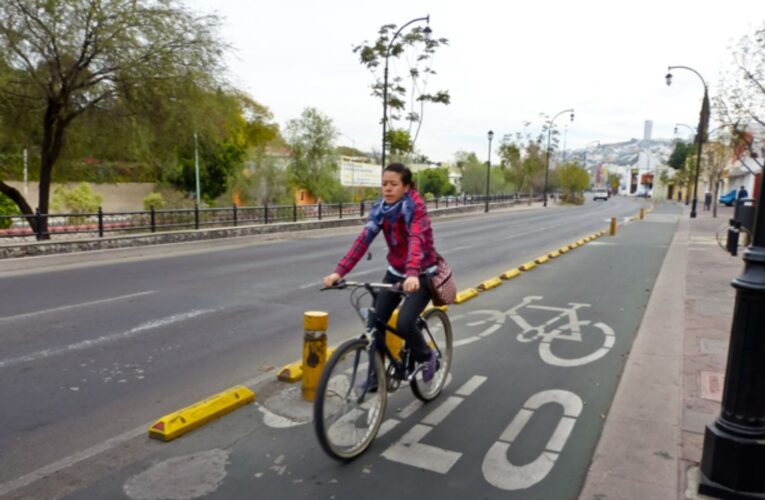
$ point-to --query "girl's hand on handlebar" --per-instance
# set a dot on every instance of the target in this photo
(411, 284)
(330, 280)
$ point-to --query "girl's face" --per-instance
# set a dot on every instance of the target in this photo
(392, 187)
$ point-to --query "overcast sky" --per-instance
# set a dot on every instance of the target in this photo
(507, 62)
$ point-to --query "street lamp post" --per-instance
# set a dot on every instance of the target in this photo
(427, 32)
(734, 444)
(490, 135)
(701, 129)
(549, 132)
(196, 166)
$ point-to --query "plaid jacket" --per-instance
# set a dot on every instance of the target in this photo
(411, 249)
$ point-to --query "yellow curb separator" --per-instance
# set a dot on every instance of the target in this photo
(510, 274)
(293, 372)
(554, 254)
(179, 423)
(489, 284)
(528, 266)
(465, 295)
(542, 259)
(574, 245)
(580, 242)
(563, 250)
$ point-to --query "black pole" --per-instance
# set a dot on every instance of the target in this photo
(547, 163)
(233, 208)
(152, 219)
(196, 216)
(488, 172)
(701, 134)
(100, 222)
(734, 444)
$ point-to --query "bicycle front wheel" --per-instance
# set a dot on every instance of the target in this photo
(438, 334)
(346, 413)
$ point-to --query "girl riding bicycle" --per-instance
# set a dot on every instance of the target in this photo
(403, 217)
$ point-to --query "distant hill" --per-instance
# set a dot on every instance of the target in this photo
(627, 153)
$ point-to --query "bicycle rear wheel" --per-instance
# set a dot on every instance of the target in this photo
(438, 334)
(346, 415)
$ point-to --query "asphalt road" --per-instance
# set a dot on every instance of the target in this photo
(97, 347)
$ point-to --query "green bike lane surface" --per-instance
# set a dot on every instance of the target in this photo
(269, 449)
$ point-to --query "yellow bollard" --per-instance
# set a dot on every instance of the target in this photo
(612, 229)
(642, 213)
(315, 325)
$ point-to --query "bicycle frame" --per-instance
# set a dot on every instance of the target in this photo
(375, 333)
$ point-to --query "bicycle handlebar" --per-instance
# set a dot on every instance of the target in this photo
(343, 284)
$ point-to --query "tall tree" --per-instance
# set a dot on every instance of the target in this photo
(525, 157)
(573, 180)
(717, 154)
(742, 97)
(65, 58)
(405, 99)
(314, 163)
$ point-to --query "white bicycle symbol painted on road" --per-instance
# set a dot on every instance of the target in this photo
(546, 333)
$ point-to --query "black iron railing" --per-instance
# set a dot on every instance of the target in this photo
(99, 223)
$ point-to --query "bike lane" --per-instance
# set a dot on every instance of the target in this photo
(536, 363)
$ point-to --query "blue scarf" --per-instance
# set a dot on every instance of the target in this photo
(391, 212)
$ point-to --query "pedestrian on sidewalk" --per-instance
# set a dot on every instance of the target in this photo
(742, 193)
(707, 200)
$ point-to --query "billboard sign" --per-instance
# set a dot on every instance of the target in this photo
(356, 174)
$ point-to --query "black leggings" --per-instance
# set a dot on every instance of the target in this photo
(413, 306)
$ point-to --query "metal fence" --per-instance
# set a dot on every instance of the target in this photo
(101, 223)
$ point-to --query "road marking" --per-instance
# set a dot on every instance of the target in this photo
(86, 344)
(496, 468)
(409, 451)
(442, 411)
(471, 385)
(410, 408)
(73, 306)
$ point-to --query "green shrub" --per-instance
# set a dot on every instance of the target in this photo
(153, 200)
(79, 200)
(7, 207)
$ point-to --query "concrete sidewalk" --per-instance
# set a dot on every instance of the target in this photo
(672, 383)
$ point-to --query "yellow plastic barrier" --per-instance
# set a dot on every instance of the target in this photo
(465, 295)
(510, 274)
(179, 423)
(489, 284)
(541, 260)
(528, 266)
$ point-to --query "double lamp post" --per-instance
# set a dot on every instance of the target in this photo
(701, 130)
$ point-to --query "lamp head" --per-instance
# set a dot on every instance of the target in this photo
(572, 116)
(490, 135)
(668, 78)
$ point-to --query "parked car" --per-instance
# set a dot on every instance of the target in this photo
(600, 194)
(728, 199)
